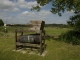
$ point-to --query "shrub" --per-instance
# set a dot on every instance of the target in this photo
(71, 37)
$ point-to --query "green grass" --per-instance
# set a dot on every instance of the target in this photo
(52, 31)
(56, 50)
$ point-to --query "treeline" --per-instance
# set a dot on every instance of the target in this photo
(46, 25)
(56, 25)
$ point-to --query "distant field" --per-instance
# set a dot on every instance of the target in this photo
(56, 30)
(56, 50)
(48, 30)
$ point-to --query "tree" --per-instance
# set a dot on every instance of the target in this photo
(59, 6)
(1, 22)
(74, 21)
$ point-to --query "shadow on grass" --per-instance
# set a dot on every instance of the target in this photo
(71, 37)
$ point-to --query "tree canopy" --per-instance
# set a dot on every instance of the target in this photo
(59, 6)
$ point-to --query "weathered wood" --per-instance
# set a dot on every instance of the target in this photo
(29, 44)
(19, 31)
(22, 32)
(35, 22)
(40, 42)
(39, 26)
(42, 25)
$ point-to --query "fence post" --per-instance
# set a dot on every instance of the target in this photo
(21, 31)
(40, 42)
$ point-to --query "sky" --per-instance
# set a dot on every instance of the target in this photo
(18, 12)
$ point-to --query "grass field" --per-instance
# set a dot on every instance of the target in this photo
(56, 50)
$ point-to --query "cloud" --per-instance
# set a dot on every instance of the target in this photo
(25, 4)
(41, 13)
(13, 5)
(15, 9)
(4, 16)
(25, 12)
(8, 5)
(24, 17)
(44, 12)
(5, 4)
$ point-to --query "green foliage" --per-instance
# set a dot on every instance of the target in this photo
(35, 8)
(59, 6)
(71, 37)
(43, 2)
(74, 21)
(1, 22)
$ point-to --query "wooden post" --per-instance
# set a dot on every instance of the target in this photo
(40, 42)
(44, 37)
(21, 31)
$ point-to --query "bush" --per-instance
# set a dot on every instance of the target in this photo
(1, 22)
(71, 37)
(74, 22)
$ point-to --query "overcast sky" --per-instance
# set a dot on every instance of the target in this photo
(18, 12)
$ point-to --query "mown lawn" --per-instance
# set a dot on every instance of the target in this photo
(56, 50)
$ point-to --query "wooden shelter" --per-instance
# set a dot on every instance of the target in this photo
(35, 40)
